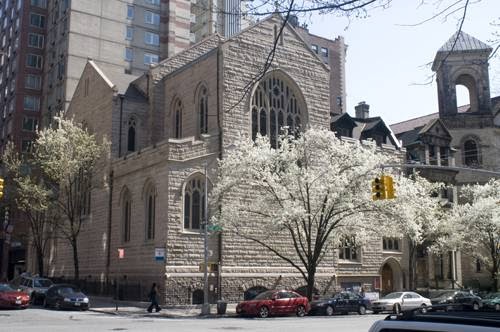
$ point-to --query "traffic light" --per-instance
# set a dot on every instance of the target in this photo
(1, 187)
(383, 188)
(388, 186)
(378, 189)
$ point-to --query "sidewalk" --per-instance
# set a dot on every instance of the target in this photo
(135, 308)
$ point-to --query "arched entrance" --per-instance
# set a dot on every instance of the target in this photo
(391, 275)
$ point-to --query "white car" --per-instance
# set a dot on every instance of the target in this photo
(400, 301)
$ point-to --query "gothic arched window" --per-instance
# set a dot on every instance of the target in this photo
(150, 205)
(203, 110)
(126, 216)
(471, 153)
(178, 119)
(131, 135)
(194, 203)
(275, 104)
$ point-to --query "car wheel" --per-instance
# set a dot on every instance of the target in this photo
(33, 298)
(329, 310)
(497, 307)
(45, 304)
(475, 306)
(375, 312)
(301, 311)
(423, 308)
(57, 306)
(396, 309)
(264, 312)
(362, 310)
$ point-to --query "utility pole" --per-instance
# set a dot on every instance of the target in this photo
(205, 309)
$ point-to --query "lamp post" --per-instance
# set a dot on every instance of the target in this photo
(205, 309)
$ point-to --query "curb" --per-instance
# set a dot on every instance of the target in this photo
(160, 316)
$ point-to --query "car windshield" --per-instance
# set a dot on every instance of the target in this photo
(264, 296)
(446, 294)
(6, 288)
(392, 296)
(68, 290)
(43, 283)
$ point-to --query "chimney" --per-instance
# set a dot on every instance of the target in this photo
(293, 20)
(362, 110)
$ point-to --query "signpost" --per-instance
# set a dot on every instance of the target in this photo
(121, 255)
(160, 254)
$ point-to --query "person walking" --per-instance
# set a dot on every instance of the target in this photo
(153, 297)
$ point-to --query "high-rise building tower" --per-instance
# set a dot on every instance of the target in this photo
(22, 42)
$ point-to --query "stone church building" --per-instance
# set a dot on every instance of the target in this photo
(168, 127)
(467, 137)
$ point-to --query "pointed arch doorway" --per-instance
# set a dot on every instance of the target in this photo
(391, 276)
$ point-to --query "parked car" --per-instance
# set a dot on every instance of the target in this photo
(35, 287)
(12, 298)
(439, 321)
(274, 302)
(492, 301)
(456, 299)
(400, 301)
(65, 296)
(343, 302)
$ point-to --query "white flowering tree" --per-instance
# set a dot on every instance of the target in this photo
(67, 154)
(34, 198)
(313, 191)
(479, 220)
(420, 216)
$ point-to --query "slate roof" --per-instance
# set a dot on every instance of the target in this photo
(464, 42)
(421, 121)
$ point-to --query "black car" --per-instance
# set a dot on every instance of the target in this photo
(456, 300)
(343, 302)
(65, 296)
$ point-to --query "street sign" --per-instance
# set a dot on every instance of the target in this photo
(159, 254)
(121, 253)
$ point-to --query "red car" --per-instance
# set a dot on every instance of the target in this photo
(274, 302)
(11, 298)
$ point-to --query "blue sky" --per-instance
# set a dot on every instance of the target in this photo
(386, 62)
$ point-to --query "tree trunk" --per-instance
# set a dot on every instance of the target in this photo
(412, 265)
(75, 259)
(40, 259)
(310, 284)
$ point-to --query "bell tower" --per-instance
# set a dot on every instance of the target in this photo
(463, 60)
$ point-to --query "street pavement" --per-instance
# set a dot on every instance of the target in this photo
(129, 318)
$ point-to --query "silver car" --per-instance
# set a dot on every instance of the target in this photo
(36, 287)
(398, 301)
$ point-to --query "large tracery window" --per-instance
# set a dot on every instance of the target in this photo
(194, 203)
(275, 105)
(471, 153)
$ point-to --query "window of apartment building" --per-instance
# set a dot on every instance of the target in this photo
(39, 3)
(314, 48)
(348, 249)
(34, 61)
(19, 4)
(4, 40)
(37, 20)
(151, 18)
(35, 40)
(30, 124)
(33, 82)
(324, 51)
(61, 69)
(130, 12)
(130, 33)
(391, 244)
(18, 22)
(151, 38)
(64, 5)
(129, 54)
(12, 84)
(32, 103)
(26, 145)
(153, 2)
(16, 43)
(150, 58)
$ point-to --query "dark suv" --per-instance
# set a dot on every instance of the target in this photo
(35, 287)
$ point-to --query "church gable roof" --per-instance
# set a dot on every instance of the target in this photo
(435, 128)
